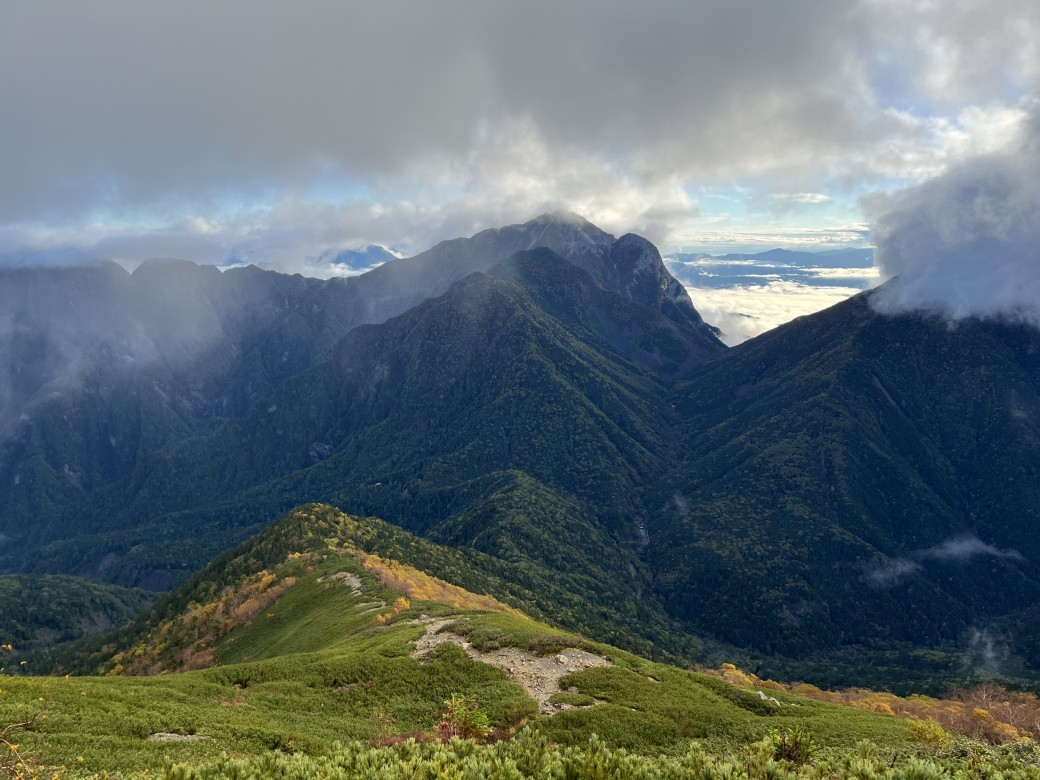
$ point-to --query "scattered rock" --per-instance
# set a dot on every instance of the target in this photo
(763, 697)
(163, 736)
(352, 581)
(539, 676)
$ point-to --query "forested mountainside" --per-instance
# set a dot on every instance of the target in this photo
(856, 479)
(103, 368)
(853, 490)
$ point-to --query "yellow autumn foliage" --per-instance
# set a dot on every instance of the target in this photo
(986, 712)
(185, 642)
(415, 584)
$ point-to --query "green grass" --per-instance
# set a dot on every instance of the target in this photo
(494, 630)
(302, 702)
(531, 756)
(311, 616)
(313, 669)
(318, 671)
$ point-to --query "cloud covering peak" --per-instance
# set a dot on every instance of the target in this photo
(274, 133)
(966, 243)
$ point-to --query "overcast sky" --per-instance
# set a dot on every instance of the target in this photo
(278, 132)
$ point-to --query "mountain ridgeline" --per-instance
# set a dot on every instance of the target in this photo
(846, 492)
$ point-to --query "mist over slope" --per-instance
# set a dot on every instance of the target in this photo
(104, 367)
(397, 418)
(845, 490)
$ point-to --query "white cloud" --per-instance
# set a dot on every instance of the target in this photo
(965, 547)
(959, 549)
(748, 311)
(869, 276)
(440, 119)
(801, 197)
(965, 243)
(892, 571)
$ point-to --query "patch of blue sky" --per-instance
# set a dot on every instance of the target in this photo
(892, 88)
(332, 185)
(708, 273)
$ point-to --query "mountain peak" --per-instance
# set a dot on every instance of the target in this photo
(567, 233)
(562, 217)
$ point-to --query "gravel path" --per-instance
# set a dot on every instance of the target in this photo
(538, 675)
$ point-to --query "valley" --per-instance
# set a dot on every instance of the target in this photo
(556, 436)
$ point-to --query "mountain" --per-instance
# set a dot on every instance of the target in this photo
(326, 627)
(323, 643)
(850, 492)
(239, 332)
(38, 612)
(395, 421)
(857, 484)
(629, 266)
(505, 416)
(99, 382)
(101, 367)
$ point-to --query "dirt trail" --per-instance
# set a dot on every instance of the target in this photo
(538, 675)
(349, 580)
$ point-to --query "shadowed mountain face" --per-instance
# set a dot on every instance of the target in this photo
(432, 419)
(858, 479)
(630, 266)
(240, 332)
(134, 418)
(101, 367)
(841, 492)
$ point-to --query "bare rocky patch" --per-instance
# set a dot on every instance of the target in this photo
(538, 675)
(349, 580)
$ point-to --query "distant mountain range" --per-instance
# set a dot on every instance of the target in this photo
(829, 258)
(837, 267)
(850, 491)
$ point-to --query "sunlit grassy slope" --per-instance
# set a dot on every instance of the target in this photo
(302, 638)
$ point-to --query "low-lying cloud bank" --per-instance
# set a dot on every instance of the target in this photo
(956, 550)
(745, 311)
(966, 243)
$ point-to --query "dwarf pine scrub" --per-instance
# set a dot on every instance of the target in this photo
(531, 756)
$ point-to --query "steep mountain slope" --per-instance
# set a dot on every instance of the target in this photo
(630, 266)
(104, 368)
(858, 480)
(505, 416)
(850, 491)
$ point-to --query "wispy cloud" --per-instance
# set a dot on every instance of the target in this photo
(959, 549)
(801, 197)
(963, 548)
(892, 571)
